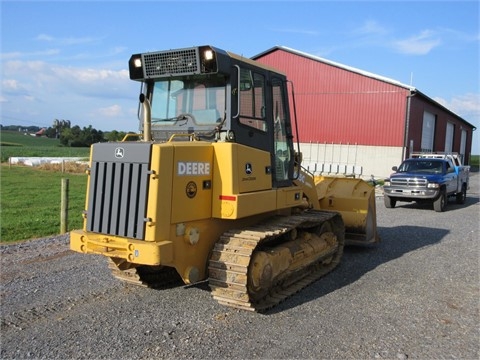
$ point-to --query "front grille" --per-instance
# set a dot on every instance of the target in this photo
(118, 189)
(409, 182)
(174, 62)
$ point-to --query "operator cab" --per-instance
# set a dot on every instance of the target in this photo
(208, 94)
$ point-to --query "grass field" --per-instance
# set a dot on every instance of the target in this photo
(17, 144)
(475, 161)
(30, 202)
(30, 197)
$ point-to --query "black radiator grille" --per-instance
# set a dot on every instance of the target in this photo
(118, 191)
(174, 62)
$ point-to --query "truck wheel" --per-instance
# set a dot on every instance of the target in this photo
(389, 202)
(462, 196)
(439, 203)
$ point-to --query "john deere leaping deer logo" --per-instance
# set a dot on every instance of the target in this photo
(248, 169)
(119, 153)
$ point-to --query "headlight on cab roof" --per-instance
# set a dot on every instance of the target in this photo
(432, 185)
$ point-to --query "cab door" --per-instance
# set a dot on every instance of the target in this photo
(451, 178)
(260, 119)
(250, 115)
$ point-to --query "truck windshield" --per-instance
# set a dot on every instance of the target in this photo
(421, 166)
(177, 101)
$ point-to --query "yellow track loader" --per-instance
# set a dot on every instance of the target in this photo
(213, 189)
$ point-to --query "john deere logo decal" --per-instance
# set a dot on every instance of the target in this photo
(248, 168)
(119, 152)
(191, 189)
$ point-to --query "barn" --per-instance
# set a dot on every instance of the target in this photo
(353, 122)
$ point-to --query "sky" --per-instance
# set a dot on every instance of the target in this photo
(69, 59)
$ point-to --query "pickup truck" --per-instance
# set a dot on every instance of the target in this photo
(427, 178)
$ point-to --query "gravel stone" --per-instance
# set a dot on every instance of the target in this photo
(414, 296)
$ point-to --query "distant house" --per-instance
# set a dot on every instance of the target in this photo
(355, 122)
(41, 132)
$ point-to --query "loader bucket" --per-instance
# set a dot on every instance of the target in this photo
(354, 199)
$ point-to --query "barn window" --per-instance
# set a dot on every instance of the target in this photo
(449, 137)
(463, 143)
(428, 132)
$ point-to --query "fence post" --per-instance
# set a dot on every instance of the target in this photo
(64, 207)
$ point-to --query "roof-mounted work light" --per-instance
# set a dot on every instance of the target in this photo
(175, 63)
(208, 54)
(135, 67)
(137, 62)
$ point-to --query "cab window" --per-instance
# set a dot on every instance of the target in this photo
(281, 139)
(450, 168)
(252, 100)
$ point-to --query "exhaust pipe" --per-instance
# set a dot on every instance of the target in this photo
(147, 118)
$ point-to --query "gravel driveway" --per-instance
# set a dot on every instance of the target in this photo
(416, 295)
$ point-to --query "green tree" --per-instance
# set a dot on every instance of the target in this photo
(51, 133)
(69, 135)
(91, 136)
(76, 137)
(114, 135)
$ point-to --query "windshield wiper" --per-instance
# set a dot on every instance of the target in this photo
(174, 119)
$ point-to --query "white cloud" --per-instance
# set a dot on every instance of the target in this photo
(467, 106)
(90, 76)
(420, 44)
(10, 85)
(469, 103)
(110, 111)
(44, 37)
(371, 27)
(45, 80)
(66, 41)
(79, 94)
(15, 89)
(19, 55)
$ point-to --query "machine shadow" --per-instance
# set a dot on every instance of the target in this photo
(357, 261)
